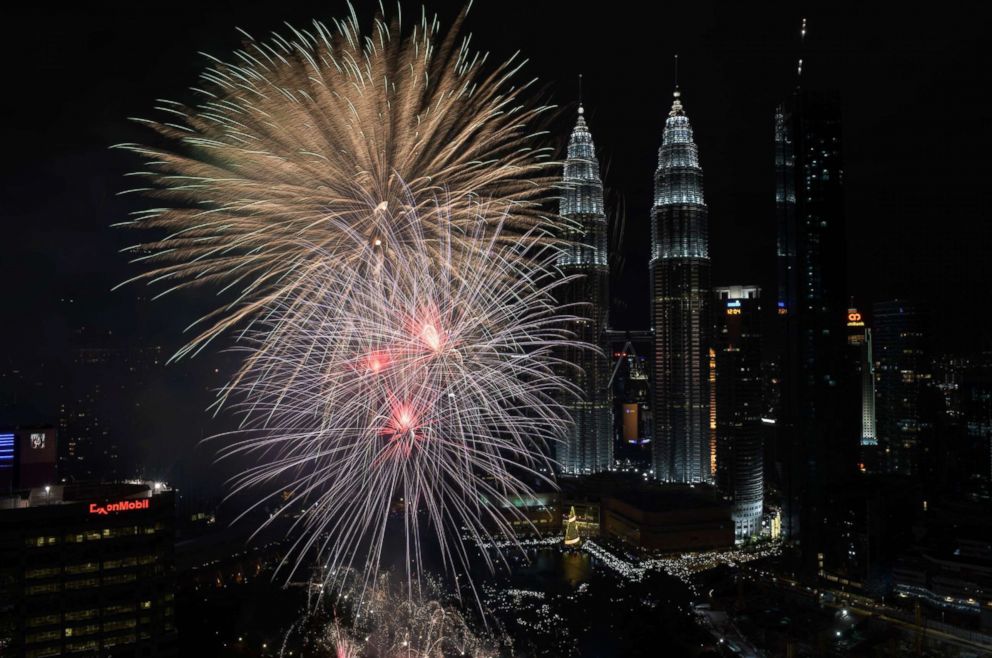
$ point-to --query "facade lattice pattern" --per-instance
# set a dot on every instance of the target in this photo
(589, 446)
(680, 308)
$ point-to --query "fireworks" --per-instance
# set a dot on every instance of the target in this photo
(372, 204)
(423, 380)
(348, 624)
(312, 144)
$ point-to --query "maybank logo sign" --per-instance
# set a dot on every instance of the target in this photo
(121, 506)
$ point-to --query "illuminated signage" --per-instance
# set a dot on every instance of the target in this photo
(733, 311)
(37, 441)
(854, 318)
(120, 506)
(6, 448)
(734, 303)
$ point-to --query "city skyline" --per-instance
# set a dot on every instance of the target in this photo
(720, 69)
(585, 330)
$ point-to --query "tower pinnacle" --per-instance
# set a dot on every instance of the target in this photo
(676, 95)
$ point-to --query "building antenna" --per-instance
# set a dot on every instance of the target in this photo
(802, 48)
(676, 71)
(580, 94)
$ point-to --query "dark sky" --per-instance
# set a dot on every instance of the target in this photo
(915, 149)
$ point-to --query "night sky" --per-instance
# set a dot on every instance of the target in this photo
(915, 147)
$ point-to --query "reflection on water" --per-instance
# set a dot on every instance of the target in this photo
(553, 569)
(576, 567)
(557, 601)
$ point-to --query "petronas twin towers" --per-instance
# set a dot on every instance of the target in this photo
(680, 307)
(589, 447)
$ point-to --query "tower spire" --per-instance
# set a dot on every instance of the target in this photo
(581, 110)
(676, 95)
(802, 48)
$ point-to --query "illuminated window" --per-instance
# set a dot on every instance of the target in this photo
(82, 583)
(45, 636)
(120, 578)
(43, 620)
(121, 639)
(42, 589)
(42, 573)
(79, 647)
(84, 567)
(118, 625)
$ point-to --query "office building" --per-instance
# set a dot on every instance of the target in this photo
(87, 570)
(680, 307)
(738, 405)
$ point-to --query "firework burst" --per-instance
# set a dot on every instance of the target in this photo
(312, 144)
(371, 203)
(424, 380)
(350, 623)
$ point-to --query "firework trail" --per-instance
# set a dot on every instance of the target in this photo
(371, 205)
(429, 378)
(310, 144)
(391, 623)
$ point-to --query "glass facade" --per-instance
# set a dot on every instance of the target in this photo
(588, 448)
(740, 453)
(680, 308)
(902, 373)
(811, 305)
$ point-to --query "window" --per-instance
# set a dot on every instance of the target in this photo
(82, 583)
(44, 636)
(78, 615)
(120, 578)
(42, 573)
(122, 639)
(118, 609)
(77, 647)
(49, 588)
(84, 567)
(43, 621)
(118, 625)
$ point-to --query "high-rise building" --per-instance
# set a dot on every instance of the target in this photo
(976, 412)
(739, 451)
(811, 304)
(680, 307)
(28, 457)
(631, 392)
(102, 382)
(588, 448)
(88, 570)
(902, 374)
(859, 338)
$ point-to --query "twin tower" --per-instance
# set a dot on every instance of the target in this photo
(680, 313)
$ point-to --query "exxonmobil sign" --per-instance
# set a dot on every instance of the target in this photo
(120, 506)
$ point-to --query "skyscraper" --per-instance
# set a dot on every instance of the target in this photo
(902, 374)
(589, 445)
(812, 302)
(680, 304)
(740, 456)
(860, 339)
